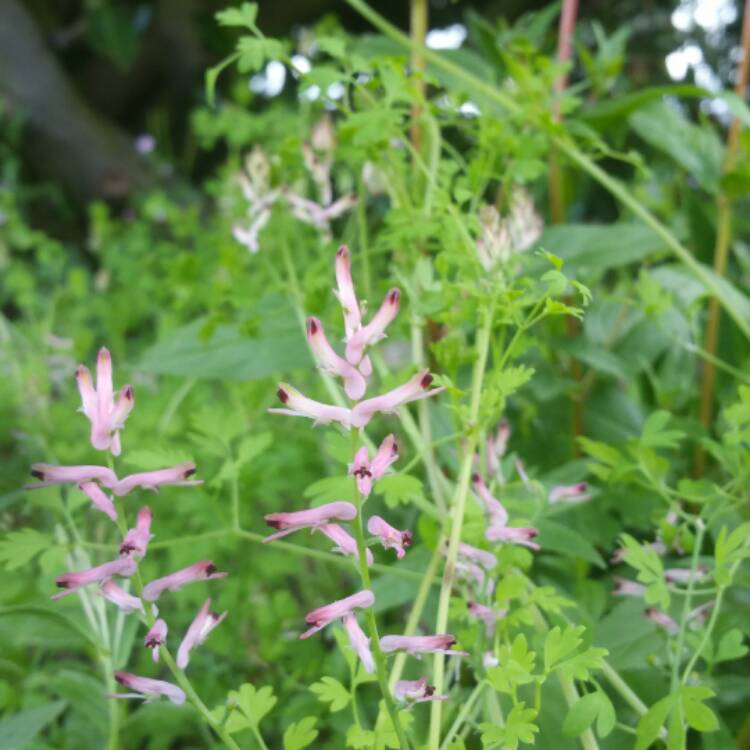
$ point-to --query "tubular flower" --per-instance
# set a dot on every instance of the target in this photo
(124, 566)
(367, 472)
(344, 541)
(625, 587)
(152, 480)
(416, 691)
(496, 447)
(345, 292)
(487, 615)
(486, 559)
(420, 644)
(126, 602)
(374, 331)
(136, 540)
(99, 499)
(569, 493)
(330, 362)
(51, 475)
(106, 415)
(204, 570)
(663, 620)
(312, 518)
(413, 390)
(389, 537)
(514, 534)
(297, 405)
(156, 637)
(360, 642)
(323, 616)
(204, 622)
(148, 689)
(685, 575)
(494, 508)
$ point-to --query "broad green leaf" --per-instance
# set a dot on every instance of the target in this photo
(731, 646)
(300, 734)
(697, 714)
(651, 723)
(17, 731)
(556, 537)
(582, 715)
(330, 690)
(330, 488)
(560, 644)
(607, 718)
(19, 548)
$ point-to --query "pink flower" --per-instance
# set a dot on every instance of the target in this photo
(663, 620)
(148, 689)
(513, 534)
(330, 362)
(301, 406)
(51, 475)
(204, 570)
(699, 615)
(99, 499)
(344, 541)
(124, 566)
(473, 573)
(360, 642)
(367, 472)
(413, 390)
(136, 540)
(416, 691)
(197, 633)
(312, 518)
(571, 493)
(684, 575)
(486, 559)
(106, 415)
(487, 615)
(624, 587)
(345, 292)
(489, 659)
(152, 480)
(323, 616)
(420, 644)
(496, 446)
(126, 602)
(390, 538)
(494, 508)
(156, 637)
(375, 329)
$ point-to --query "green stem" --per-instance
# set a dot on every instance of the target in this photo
(573, 153)
(456, 518)
(588, 741)
(462, 714)
(372, 626)
(706, 636)
(701, 530)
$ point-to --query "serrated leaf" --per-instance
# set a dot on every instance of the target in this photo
(329, 489)
(300, 734)
(245, 15)
(398, 488)
(250, 703)
(560, 644)
(330, 690)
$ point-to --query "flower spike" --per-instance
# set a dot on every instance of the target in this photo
(311, 518)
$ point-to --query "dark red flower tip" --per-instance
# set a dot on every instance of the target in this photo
(393, 296)
(406, 537)
(312, 326)
(126, 549)
(429, 690)
(426, 380)
(210, 569)
(128, 393)
(38, 474)
(189, 472)
(394, 449)
(274, 524)
(153, 643)
(120, 678)
(62, 583)
(475, 478)
(283, 395)
(342, 251)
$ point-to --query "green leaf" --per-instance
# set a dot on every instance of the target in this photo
(300, 734)
(607, 718)
(560, 644)
(398, 488)
(729, 549)
(254, 51)
(20, 547)
(582, 714)
(19, 730)
(330, 690)
(697, 714)
(650, 570)
(519, 728)
(360, 739)
(731, 646)
(253, 446)
(330, 488)
(651, 723)
(515, 668)
(245, 15)
(555, 537)
(250, 706)
(655, 436)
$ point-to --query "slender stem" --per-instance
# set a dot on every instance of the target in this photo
(457, 518)
(418, 21)
(588, 741)
(721, 249)
(706, 636)
(568, 148)
(701, 530)
(463, 713)
(416, 612)
(372, 626)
